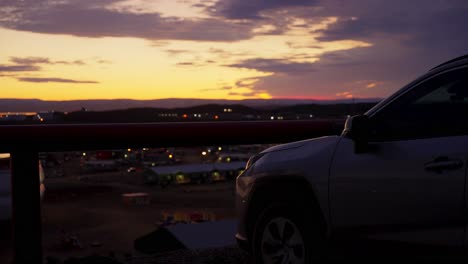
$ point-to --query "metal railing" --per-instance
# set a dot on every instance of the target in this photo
(25, 142)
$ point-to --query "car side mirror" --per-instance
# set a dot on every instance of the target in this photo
(357, 128)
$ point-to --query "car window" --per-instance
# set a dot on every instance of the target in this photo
(437, 107)
(444, 94)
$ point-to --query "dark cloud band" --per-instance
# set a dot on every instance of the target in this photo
(97, 21)
(275, 66)
(56, 80)
(18, 68)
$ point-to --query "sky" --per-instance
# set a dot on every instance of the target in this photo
(223, 49)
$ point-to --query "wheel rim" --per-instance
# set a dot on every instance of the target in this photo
(282, 243)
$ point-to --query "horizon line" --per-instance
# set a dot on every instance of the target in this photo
(201, 99)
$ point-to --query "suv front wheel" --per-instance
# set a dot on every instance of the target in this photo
(286, 234)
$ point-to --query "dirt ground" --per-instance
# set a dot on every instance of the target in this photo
(91, 211)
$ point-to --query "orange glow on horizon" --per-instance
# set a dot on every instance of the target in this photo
(312, 98)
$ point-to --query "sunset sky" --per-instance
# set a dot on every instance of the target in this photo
(229, 49)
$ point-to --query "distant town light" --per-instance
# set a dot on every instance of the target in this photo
(84, 154)
(184, 115)
(216, 117)
(272, 117)
(129, 150)
(204, 153)
(220, 148)
(125, 155)
(170, 156)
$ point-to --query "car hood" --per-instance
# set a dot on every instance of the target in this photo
(297, 157)
(294, 145)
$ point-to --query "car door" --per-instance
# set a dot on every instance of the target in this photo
(410, 185)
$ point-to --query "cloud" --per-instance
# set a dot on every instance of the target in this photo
(346, 94)
(224, 54)
(248, 82)
(56, 80)
(435, 30)
(224, 88)
(333, 73)
(198, 62)
(251, 9)
(18, 68)
(246, 87)
(406, 20)
(242, 88)
(243, 94)
(332, 76)
(343, 93)
(42, 60)
(100, 60)
(194, 64)
(176, 51)
(30, 60)
(266, 29)
(275, 66)
(32, 64)
(104, 61)
(201, 5)
(75, 62)
(408, 38)
(88, 19)
(186, 64)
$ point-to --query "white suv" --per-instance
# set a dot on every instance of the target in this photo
(396, 174)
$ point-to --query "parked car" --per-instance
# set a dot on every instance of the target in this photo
(5, 187)
(396, 174)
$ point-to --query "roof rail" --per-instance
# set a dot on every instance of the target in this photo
(450, 61)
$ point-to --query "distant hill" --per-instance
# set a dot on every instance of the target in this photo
(208, 113)
(36, 105)
(328, 110)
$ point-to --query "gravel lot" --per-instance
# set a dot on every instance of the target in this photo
(228, 255)
(92, 211)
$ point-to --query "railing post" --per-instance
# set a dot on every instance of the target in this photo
(27, 222)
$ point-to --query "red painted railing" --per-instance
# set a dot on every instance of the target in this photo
(24, 143)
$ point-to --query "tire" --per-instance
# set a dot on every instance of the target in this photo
(287, 234)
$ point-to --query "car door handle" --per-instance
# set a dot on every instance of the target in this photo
(441, 164)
